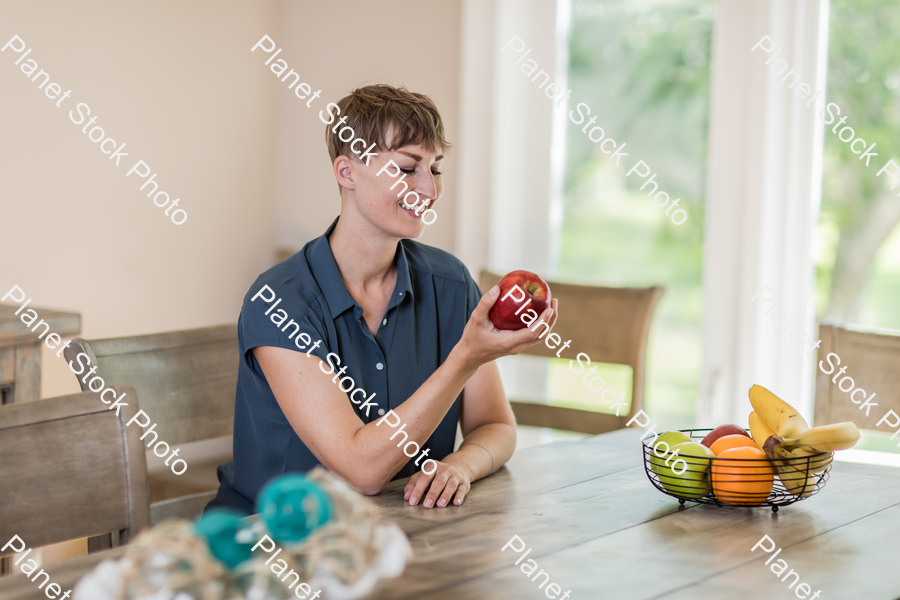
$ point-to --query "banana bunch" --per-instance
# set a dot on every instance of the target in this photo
(798, 451)
(777, 414)
(839, 436)
(759, 430)
(797, 468)
(798, 479)
(787, 424)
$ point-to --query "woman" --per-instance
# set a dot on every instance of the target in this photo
(365, 335)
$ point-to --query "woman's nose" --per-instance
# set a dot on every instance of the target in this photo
(427, 185)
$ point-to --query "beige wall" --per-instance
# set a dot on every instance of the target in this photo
(177, 83)
(341, 45)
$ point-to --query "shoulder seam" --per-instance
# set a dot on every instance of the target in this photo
(433, 274)
(460, 267)
(305, 313)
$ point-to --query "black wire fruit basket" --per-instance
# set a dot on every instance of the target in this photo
(741, 482)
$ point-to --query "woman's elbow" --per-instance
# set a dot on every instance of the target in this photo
(364, 484)
(371, 490)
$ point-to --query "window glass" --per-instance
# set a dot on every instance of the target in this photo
(858, 253)
(858, 241)
(643, 69)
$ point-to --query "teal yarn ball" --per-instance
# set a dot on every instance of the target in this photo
(292, 507)
(229, 537)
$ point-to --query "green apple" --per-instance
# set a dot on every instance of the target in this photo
(670, 439)
(687, 479)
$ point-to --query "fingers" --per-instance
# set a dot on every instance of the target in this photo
(447, 493)
(407, 490)
(527, 336)
(443, 494)
(418, 489)
(519, 336)
(461, 492)
(443, 478)
(439, 489)
(484, 305)
(551, 318)
(554, 304)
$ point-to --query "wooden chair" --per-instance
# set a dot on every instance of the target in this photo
(20, 350)
(186, 380)
(610, 325)
(872, 358)
(70, 469)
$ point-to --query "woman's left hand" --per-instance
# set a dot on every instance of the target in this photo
(449, 482)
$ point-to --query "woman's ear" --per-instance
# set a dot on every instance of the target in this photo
(345, 172)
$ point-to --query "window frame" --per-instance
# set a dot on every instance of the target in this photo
(764, 174)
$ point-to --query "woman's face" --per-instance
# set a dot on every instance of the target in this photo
(412, 168)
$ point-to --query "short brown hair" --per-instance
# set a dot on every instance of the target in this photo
(373, 109)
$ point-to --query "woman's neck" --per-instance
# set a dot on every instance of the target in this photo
(363, 257)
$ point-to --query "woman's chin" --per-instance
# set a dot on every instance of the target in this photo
(412, 222)
(414, 232)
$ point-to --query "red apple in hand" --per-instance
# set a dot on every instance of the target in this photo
(519, 290)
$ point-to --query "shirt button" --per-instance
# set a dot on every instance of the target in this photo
(379, 366)
(384, 322)
(380, 411)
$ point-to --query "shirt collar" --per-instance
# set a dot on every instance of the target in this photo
(338, 298)
(403, 287)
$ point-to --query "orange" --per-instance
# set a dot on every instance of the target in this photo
(726, 442)
(744, 482)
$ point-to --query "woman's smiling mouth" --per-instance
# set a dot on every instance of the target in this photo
(412, 209)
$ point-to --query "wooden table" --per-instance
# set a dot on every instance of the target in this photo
(600, 529)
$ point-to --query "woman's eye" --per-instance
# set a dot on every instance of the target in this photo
(413, 170)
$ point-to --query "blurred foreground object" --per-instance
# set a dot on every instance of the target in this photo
(347, 549)
(284, 498)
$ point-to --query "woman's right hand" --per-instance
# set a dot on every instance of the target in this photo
(481, 342)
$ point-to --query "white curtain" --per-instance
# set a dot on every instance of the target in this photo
(512, 150)
(763, 189)
(526, 191)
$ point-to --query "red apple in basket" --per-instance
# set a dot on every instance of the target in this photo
(722, 431)
(519, 291)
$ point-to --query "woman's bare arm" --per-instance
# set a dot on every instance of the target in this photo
(487, 422)
(489, 440)
(363, 454)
